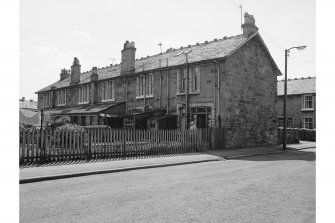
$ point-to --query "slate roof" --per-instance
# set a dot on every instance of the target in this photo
(217, 48)
(297, 86)
(28, 104)
(81, 109)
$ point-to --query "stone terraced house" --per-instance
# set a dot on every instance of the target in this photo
(229, 82)
(301, 107)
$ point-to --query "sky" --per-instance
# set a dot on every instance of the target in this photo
(53, 32)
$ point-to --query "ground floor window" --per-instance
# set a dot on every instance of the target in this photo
(289, 123)
(308, 122)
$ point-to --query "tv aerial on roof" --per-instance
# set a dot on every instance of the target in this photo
(184, 52)
(112, 60)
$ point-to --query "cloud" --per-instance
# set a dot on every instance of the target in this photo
(80, 34)
(54, 51)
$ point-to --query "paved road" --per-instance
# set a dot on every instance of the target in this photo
(269, 188)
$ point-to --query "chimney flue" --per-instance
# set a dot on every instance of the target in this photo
(128, 58)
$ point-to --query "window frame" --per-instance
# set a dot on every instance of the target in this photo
(144, 86)
(84, 93)
(46, 100)
(61, 97)
(304, 122)
(304, 101)
(108, 91)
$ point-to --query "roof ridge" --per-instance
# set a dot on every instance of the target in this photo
(189, 46)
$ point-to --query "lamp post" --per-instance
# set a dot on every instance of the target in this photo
(187, 81)
(287, 51)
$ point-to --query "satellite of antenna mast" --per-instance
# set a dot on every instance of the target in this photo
(112, 60)
(160, 46)
(240, 6)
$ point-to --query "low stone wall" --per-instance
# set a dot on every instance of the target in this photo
(295, 134)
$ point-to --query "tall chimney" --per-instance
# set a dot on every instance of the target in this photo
(75, 71)
(249, 26)
(64, 74)
(128, 58)
(94, 76)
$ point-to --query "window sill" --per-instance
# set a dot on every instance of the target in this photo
(191, 92)
(107, 100)
(147, 96)
(307, 109)
(61, 105)
(82, 103)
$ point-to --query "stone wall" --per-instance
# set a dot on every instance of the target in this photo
(249, 91)
(294, 109)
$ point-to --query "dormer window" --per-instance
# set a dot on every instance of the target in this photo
(84, 93)
(108, 91)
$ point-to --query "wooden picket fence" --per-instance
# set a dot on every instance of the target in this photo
(91, 143)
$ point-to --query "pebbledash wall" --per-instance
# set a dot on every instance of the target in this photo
(240, 89)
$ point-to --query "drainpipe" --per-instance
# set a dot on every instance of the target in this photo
(126, 95)
(145, 89)
(160, 85)
(187, 99)
(167, 87)
(217, 108)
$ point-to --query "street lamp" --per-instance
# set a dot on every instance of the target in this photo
(285, 91)
(186, 93)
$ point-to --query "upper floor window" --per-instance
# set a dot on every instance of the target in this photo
(193, 83)
(144, 86)
(308, 122)
(61, 97)
(46, 100)
(108, 90)
(195, 79)
(307, 102)
(84, 93)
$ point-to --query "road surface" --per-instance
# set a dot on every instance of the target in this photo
(268, 188)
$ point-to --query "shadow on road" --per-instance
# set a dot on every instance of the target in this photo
(95, 160)
(288, 155)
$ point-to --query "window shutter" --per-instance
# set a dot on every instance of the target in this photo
(152, 84)
(178, 81)
(190, 79)
(113, 90)
(303, 101)
(137, 86)
(197, 73)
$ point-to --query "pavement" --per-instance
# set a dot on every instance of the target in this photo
(84, 168)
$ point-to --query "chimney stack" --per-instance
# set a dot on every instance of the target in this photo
(249, 26)
(94, 75)
(75, 71)
(128, 58)
(23, 98)
(64, 74)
